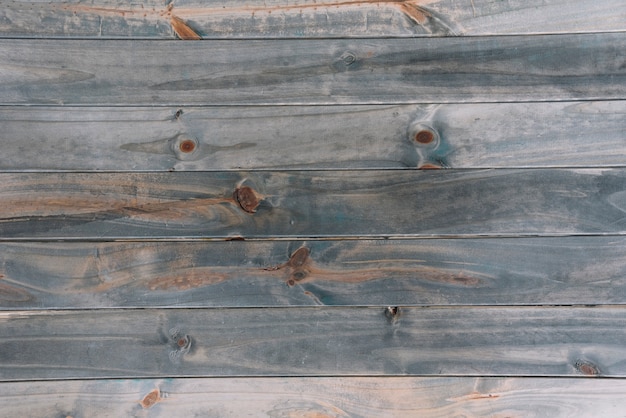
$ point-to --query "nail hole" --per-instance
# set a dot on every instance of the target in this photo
(291, 282)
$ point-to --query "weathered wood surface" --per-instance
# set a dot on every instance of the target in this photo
(310, 204)
(358, 71)
(190, 19)
(498, 135)
(320, 341)
(318, 397)
(130, 105)
(532, 271)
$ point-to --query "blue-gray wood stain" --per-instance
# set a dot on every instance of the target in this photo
(308, 150)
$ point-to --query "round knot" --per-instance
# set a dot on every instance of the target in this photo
(348, 58)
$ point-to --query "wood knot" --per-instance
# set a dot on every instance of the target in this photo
(247, 199)
(423, 135)
(299, 275)
(392, 313)
(297, 265)
(183, 342)
(299, 257)
(348, 58)
(187, 146)
(587, 368)
(150, 399)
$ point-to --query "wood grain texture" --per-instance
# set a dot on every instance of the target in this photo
(305, 18)
(499, 135)
(323, 341)
(310, 204)
(365, 71)
(318, 397)
(532, 271)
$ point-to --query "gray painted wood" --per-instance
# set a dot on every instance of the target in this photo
(305, 18)
(532, 271)
(318, 397)
(309, 204)
(437, 82)
(473, 341)
(503, 135)
(365, 71)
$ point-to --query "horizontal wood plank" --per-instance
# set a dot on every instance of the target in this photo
(474, 341)
(191, 19)
(358, 71)
(499, 135)
(531, 271)
(318, 397)
(312, 204)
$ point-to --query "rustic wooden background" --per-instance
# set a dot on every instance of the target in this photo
(317, 209)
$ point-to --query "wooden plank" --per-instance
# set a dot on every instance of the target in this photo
(304, 18)
(310, 204)
(530, 271)
(323, 341)
(499, 135)
(358, 71)
(318, 397)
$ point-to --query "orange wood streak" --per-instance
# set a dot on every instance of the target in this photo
(10, 293)
(183, 30)
(406, 6)
(474, 396)
(411, 8)
(144, 209)
(195, 277)
(191, 278)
